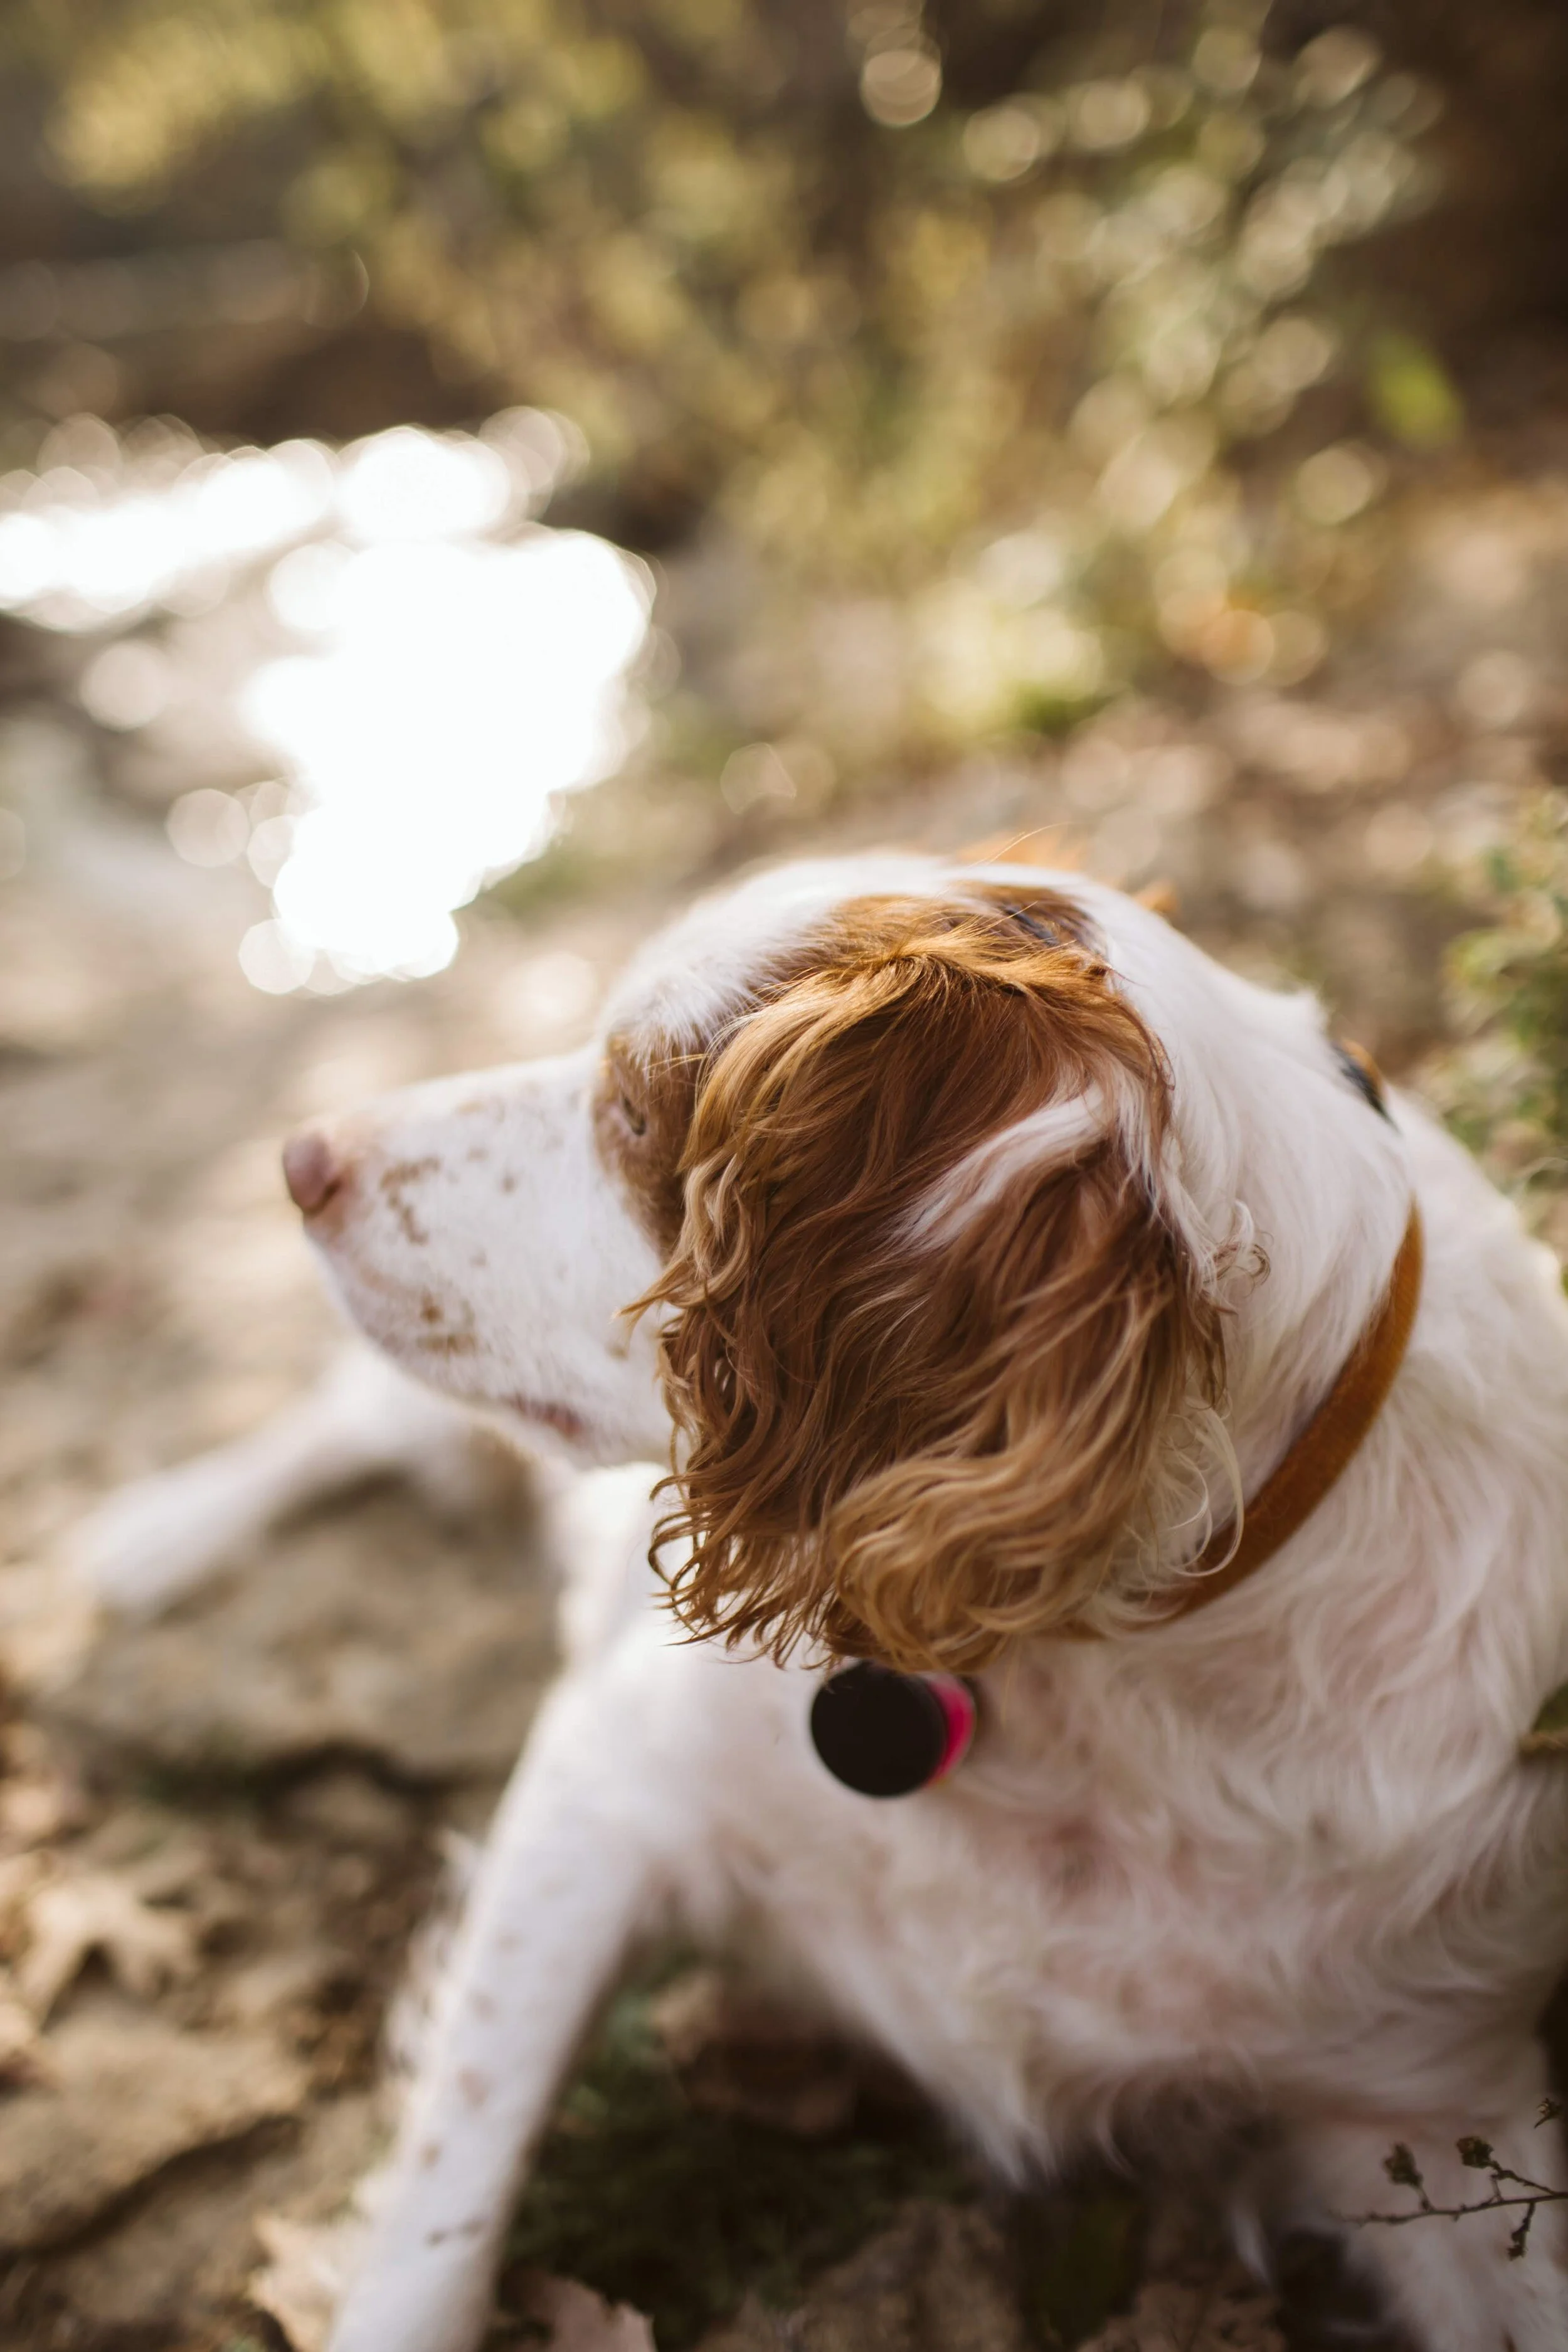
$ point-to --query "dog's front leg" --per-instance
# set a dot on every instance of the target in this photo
(570, 1874)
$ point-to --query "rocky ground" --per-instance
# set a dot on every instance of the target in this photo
(218, 1829)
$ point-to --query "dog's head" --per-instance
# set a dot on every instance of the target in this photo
(873, 1178)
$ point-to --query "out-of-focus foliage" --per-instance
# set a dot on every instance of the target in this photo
(1506, 1089)
(969, 333)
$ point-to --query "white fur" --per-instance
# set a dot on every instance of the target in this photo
(1052, 1137)
(1280, 1856)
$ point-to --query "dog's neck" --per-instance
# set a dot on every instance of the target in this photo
(1292, 1179)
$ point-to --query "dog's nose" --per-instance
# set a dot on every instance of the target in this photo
(313, 1170)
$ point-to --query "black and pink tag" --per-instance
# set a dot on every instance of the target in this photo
(885, 1733)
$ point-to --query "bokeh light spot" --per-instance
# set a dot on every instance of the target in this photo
(899, 85)
(127, 685)
(1337, 483)
(208, 827)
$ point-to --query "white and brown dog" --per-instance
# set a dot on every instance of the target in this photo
(989, 1247)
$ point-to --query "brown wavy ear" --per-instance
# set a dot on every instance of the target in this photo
(930, 1324)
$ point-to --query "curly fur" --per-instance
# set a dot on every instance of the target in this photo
(920, 1449)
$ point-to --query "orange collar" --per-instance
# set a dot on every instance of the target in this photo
(1292, 1491)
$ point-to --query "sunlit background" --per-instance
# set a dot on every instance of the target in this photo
(463, 463)
(994, 400)
(429, 666)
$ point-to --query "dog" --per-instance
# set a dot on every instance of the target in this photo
(984, 1261)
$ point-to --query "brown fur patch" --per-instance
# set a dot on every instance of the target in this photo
(915, 1450)
(647, 1093)
(642, 1116)
(395, 1181)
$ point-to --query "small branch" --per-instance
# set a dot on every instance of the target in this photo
(1427, 2211)
(1477, 2155)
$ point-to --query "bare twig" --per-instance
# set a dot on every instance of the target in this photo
(1509, 2192)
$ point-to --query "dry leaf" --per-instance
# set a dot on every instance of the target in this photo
(308, 2267)
(581, 2321)
(69, 1918)
(23, 2058)
(38, 1799)
(302, 2280)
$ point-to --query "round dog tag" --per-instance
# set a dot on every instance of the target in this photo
(885, 1733)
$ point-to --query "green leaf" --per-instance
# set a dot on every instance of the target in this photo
(1411, 394)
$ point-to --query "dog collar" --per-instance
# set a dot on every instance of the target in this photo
(1317, 1461)
(1314, 1465)
(885, 1733)
(1326, 1448)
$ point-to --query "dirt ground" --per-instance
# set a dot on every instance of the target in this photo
(217, 1829)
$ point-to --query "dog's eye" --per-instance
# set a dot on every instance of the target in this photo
(634, 1114)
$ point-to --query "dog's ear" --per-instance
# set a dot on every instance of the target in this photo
(931, 1321)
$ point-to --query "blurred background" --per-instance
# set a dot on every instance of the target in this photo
(471, 472)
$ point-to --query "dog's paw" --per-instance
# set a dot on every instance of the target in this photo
(157, 1539)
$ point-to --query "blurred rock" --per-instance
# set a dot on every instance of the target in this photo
(942, 2280)
(369, 1630)
(128, 2093)
(1225, 2313)
(185, 2254)
(347, 1809)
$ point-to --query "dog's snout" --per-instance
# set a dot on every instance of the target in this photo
(314, 1170)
